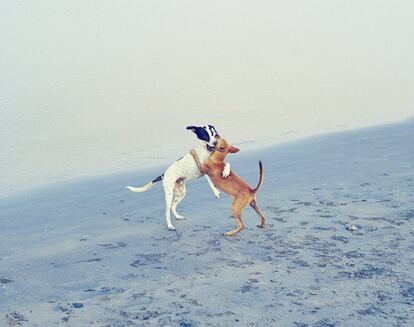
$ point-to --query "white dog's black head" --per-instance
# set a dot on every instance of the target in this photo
(206, 134)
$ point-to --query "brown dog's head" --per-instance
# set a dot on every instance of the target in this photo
(223, 148)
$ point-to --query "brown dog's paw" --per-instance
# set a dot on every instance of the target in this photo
(234, 231)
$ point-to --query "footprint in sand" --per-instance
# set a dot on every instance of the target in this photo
(147, 259)
(342, 239)
(15, 319)
(113, 246)
(5, 280)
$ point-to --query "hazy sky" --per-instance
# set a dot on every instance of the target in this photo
(93, 86)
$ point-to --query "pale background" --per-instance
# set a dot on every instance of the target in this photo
(94, 87)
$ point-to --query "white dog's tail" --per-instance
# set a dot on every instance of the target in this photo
(147, 186)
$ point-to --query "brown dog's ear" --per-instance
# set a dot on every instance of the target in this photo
(233, 149)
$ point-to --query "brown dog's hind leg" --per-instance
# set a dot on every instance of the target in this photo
(238, 205)
(240, 227)
(256, 208)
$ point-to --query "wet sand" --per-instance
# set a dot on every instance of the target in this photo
(337, 250)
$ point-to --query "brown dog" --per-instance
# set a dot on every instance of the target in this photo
(233, 185)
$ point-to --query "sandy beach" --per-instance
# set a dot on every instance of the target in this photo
(96, 95)
(337, 250)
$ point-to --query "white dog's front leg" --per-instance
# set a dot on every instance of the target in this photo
(213, 188)
(226, 170)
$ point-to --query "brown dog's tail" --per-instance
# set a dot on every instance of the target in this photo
(260, 178)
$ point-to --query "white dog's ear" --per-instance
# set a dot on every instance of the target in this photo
(192, 128)
(233, 149)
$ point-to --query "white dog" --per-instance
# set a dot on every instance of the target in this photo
(185, 169)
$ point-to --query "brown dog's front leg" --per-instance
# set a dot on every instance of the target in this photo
(200, 166)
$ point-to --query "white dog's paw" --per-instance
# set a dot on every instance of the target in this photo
(172, 228)
(218, 195)
(179, 217)
(226, 170)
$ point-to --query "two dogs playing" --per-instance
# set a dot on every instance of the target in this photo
(208, 160)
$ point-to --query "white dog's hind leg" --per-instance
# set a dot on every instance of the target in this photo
(213, 188)
(169, 194)
(180, 191)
